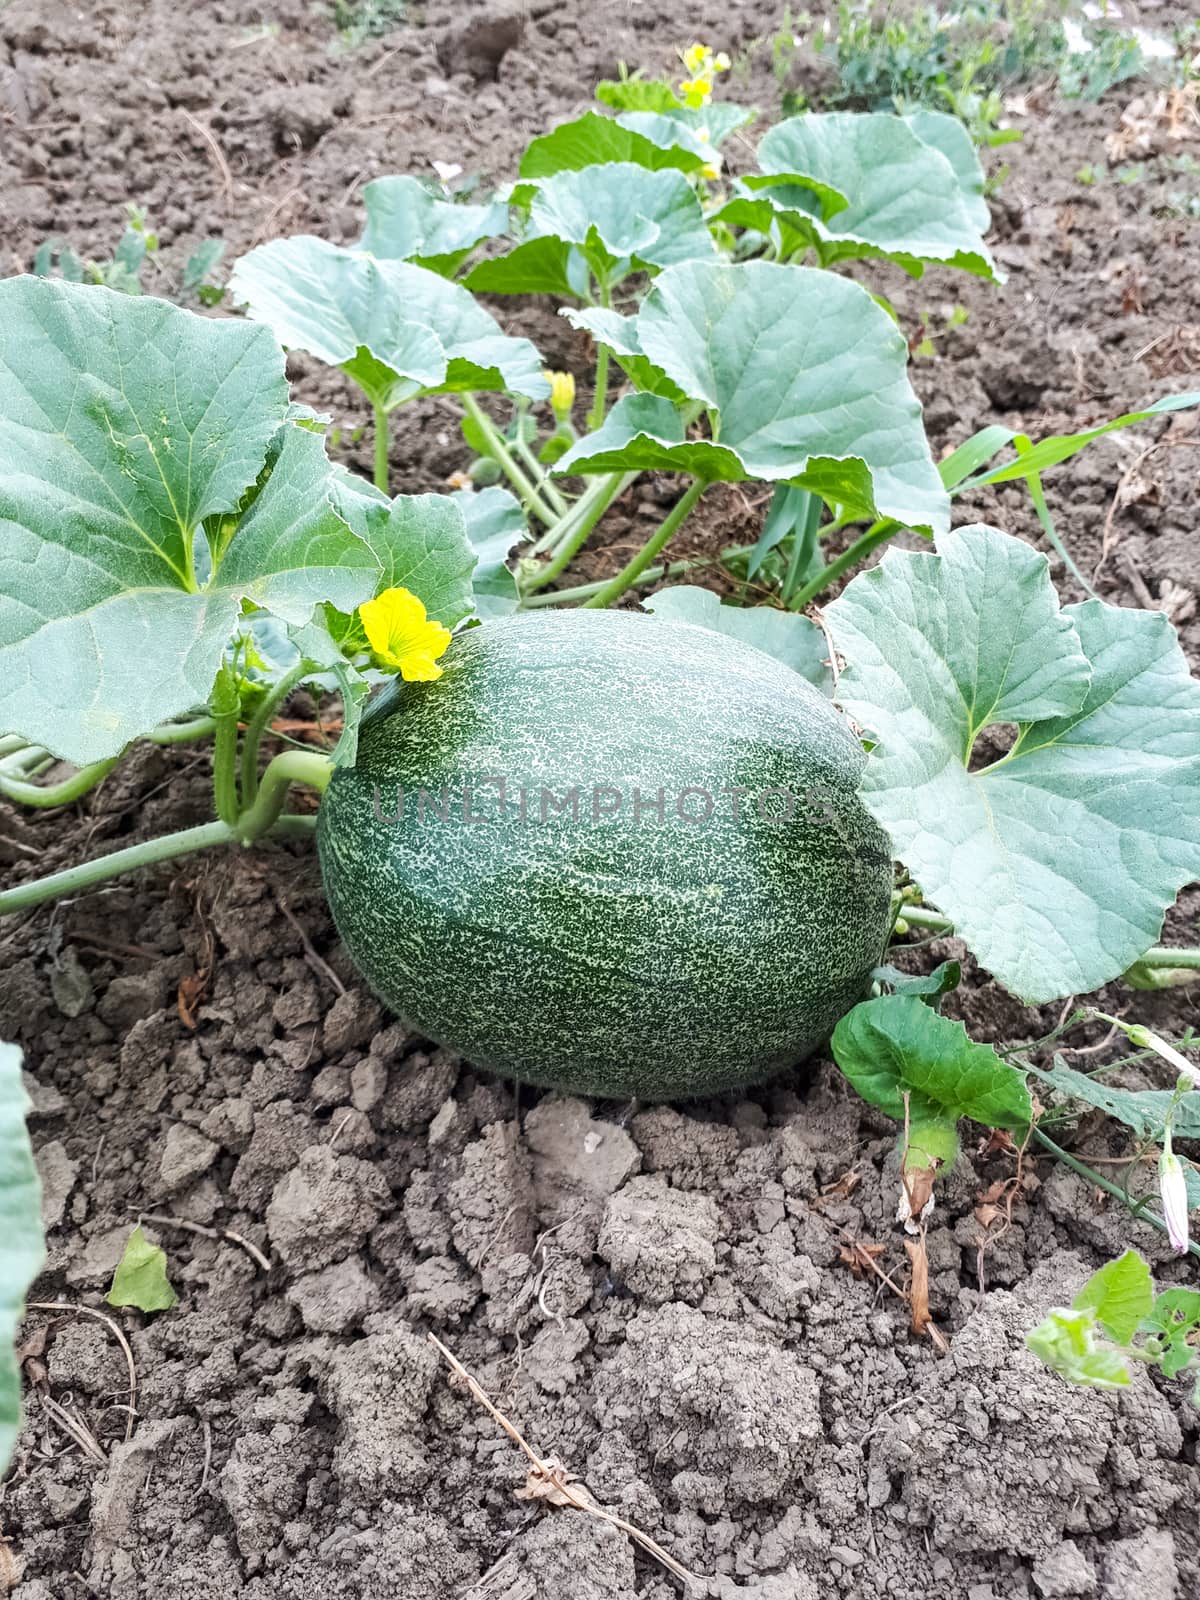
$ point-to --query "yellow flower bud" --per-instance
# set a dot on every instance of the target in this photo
(562, 393)
(401, 637)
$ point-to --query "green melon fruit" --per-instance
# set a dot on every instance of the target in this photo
(563, 932)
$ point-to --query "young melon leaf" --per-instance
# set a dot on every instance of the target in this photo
(141, 1277)
(623, 211)
(700, 129)
(947, 134)
(397, 329)
(408, 220)
(21, 1252)
(1057, 861)
(786, 635)
(896, 1043)
(1143, 1111)
(495, 525)
(930, 986)
(882, 192)
(1066, 1342)
(590, 140)
(420, 542)
(1175, 1315)
(535, 266)
(636, 93)
(128, 426)
(615, 219)
(805, 376)
(1120, 1294)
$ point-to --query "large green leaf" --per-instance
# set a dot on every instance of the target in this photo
(592, 139)
(698, 129)
(397, 329)
(786, 635)
(1120, 1293)
(619, 217)
(1143, 1111)
(21, 1252)
(1057, 861)
(897, 1044)
(495, 525)
(535, 266)
(420, 542)
(131, 433)
(949, 135)
(804, 376)
(882, 191)
(407, 220)
(623, 210)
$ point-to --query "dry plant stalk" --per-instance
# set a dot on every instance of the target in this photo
(551, 1481)
(69, 1310)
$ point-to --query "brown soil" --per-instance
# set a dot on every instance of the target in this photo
(658, 1296)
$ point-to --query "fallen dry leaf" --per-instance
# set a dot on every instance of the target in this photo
(547, 1486)
(188, 997)
(919, 1289)
(858, 1257)
(842, 1188)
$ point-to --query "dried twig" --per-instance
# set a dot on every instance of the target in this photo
(251, 1249)
(114, 1328)
(77, 1430)
(314, 960)
(215, 150)
(553, 1477)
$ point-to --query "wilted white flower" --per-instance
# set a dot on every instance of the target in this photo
(1172, 1187)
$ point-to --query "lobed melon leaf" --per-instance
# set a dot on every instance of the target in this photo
(1057, 860)
(395, 328)
(855, 185)
(21, 1252)
(786, 635)
(408, 220)
(804, 378)
(150, 484)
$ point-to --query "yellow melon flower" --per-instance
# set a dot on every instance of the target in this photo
(702, 67)
(562, 393)
(401, 637)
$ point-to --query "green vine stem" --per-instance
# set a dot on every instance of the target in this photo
(265, 816)
(57, 794)
(182, 732)
(878, 533)
(309, 767)
(629, 574)
(383, 443)
(611, 487)
(11, 743)
(600, 402)
(503, 458)
(555, 537)
(541, 480)
(1101, 1182)
(1159, 955)
(600, 395)
(261, 720)
(226, 704)
(670, 569)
